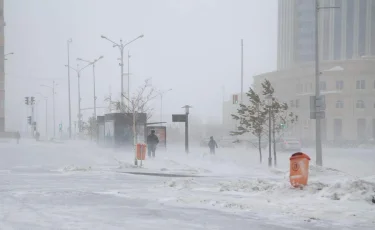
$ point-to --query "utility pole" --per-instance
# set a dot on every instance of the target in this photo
(121, 47)
(187, 107)
(93, 76)
(241, 71)
(46, 118)
(70, 107)
(122, 72)
(318, 111)
(78, 71)
(79, 103)
(53, 102)
(128, 79)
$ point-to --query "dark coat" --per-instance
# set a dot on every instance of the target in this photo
(212, 144)
(152, 139)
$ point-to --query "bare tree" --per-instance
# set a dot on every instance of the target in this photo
(137, 104)
(90, 127)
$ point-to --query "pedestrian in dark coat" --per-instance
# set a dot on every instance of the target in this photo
(212, 145)
(152, 142)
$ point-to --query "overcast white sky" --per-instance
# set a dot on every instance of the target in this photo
(191, 46)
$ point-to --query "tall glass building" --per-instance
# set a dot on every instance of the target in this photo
(347, 32)
(2, 74)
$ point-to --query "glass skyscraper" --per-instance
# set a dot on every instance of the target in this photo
(344, 33)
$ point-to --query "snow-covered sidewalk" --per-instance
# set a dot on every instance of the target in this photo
(80, 186)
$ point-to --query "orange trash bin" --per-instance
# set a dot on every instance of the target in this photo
(141, 151)
(299, 169)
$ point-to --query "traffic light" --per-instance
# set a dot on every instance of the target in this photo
(32, 100)
(235, 99)
(283, 126)
(26, 100)
(29, 120)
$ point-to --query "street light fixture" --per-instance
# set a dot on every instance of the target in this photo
(78, 71)
(269, 100)
(121, 47)
(93, 74)
(161, 93)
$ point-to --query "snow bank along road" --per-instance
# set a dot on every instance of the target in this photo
(78, 186)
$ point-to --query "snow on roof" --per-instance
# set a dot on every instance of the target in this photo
(336, 68)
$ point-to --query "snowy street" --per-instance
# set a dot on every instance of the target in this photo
(80, 186)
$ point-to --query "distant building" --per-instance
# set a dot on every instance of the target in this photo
(349, 89)
(230, 107)
(2, 72)
(344, 33)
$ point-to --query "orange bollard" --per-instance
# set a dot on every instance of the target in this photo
(141, 151)
(299, 169)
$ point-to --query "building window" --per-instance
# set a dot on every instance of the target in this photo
(297, 103)
(361, 84)
(340, 85)
(339, 104)
(323, 85)
(360, 104)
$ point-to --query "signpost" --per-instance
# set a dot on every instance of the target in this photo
(317, 107)
(184, 118)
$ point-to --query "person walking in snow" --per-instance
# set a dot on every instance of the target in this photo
(212, 145)
(152, 142)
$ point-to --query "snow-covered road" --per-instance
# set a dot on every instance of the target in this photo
(79, 186)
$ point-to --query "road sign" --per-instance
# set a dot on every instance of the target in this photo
(179, 117)
(320, 114)
(317, 107)
(320, 102)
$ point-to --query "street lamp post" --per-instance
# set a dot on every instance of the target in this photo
(318, 139)
(53, 105)
(269, 105)
(161, 103)
(70, 107)
(121, 47)
(78, 71)
(93, 75)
